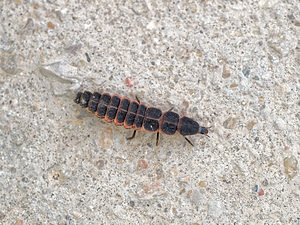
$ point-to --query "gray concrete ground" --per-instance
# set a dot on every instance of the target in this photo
(231, 65)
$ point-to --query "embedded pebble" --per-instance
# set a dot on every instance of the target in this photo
(17, 137)
(279, 123)
(176, 78)
(142, 164)
(87, 57)
(25, 179)
(250, 125)
(152, 187)
(159, 172)
(186, 104)
(29, 25)
(188, 195)
(60, 71)
(182, 191)
(246, 71)
(215, 208)
(50, 25)
(73, 48)
(261, 192)
(55, 175)
(225, 73)
(107, 138)
(120, 212)
(100, 164)
(131, 203)
(196, 197)
(202, 184)
(2, 215)
(19, 222)
(61, 76)
(265, 182)
(9, 63)
(290, 166)
(130, 81)
(76, 214)
(229, 123)
(120, 160)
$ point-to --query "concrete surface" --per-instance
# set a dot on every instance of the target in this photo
(231, 65)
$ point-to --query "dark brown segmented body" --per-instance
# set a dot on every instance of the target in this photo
(136, 115)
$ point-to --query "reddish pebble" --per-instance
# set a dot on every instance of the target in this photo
(129, 81)
(234, 85)
(186, 106)
(261, 192)
(50, 25)
(186, 103)
(142, 164)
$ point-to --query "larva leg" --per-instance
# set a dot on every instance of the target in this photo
(157, 138)
(188, 141)
(170, 109)
(133, 135)
(138, 99)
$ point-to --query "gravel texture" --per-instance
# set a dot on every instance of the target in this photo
(233, 66)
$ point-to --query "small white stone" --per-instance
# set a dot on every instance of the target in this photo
(196, 197)
(151, 25)
(280, 123)
(215, 208)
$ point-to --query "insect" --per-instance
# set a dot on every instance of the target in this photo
(134, 114)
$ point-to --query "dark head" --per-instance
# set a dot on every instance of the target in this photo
(203, 130)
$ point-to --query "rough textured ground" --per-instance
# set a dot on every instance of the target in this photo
(230, 65)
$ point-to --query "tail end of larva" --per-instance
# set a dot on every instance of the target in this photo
(78, 96)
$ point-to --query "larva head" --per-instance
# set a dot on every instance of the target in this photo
(203, 130)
